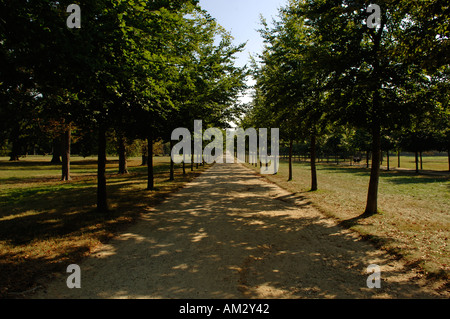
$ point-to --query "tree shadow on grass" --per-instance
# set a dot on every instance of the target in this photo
(412, 178)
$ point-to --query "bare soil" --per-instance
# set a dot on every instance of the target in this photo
(230, 234)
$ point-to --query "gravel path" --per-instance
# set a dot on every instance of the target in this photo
(230, 234)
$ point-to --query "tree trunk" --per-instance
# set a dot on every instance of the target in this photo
(102, 205)
(66, 154)
(290, 159)
(56, 151)
(398, 159)
(15, 150)
(313, 162)
(372, 196)
(150, 177)
(417, 162)
(123, 167)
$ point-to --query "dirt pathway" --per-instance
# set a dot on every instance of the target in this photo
(230, 234)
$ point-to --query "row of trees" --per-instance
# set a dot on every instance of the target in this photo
(134, 70)
(323, 70)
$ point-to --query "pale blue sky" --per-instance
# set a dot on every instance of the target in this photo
(241, 18)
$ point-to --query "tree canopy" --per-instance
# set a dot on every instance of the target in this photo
(324, 67)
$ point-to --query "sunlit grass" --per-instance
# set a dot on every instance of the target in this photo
(436, 163)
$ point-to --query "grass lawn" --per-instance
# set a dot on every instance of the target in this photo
(47, 224)
(434, 163)
(407, 162)
(414, 218)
